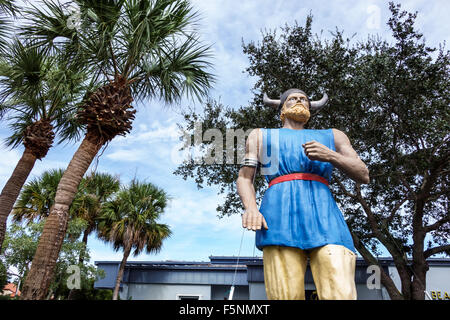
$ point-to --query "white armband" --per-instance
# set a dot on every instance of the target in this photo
(248, 162)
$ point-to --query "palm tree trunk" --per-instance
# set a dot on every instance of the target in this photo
(86, 234)
(40, 276)
(12, 188)
(126, 253)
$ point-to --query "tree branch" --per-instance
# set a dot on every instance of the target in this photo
(437, 224)
(428, 253)
(430, 178)
(406, 184)
(435, 149)
(422, 197)
(437, 195)
(397, 253)
(369, 213)
(346, 192)
(396, 208)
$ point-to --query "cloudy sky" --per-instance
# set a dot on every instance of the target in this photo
(149, 152)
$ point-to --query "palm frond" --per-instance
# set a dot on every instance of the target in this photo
(152, 43)
(11, 105)
(68, 128)
(36, 85)
(5, 29)
(147, 23)
(94, 191)
(8, 7)
(131, 218)
(103, 18)
(37, 197)
(49, 26)
(175, 71)
(23, 71)
(104, 13)
(18, 124)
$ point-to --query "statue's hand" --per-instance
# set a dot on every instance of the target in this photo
(252, 219)
(317, 151)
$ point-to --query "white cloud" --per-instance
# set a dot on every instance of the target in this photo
(148, 143)
(45, 165)
(190, 209)
(127, 155)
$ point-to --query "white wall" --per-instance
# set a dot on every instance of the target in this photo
(257, 291)
(438, 279)
(167, 291)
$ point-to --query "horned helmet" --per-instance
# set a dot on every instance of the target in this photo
(278, 104)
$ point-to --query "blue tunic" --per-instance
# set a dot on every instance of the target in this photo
(299, 213)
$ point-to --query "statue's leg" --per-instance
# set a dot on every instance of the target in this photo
(284, 272)
(333, 269)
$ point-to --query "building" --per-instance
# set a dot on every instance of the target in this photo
(177, 280)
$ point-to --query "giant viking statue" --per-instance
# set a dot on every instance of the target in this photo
(298, 218)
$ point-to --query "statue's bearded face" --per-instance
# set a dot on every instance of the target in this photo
(296, 108)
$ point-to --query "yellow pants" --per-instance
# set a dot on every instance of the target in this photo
(332, 267)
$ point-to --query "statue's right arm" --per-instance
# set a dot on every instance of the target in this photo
(252, 219)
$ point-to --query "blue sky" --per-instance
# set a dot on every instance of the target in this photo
(148, 151)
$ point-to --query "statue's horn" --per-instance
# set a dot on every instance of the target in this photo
(317, 105)
(271, 102)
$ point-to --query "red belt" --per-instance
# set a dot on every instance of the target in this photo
(298, 176)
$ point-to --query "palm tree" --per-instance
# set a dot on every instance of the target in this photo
(94, 192)
(38, 95)
(139, 49)
(38, 195)
(130, 222)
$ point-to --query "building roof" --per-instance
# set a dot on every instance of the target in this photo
(220, 270)
(176, 265)
(173, 272)
(232, 261)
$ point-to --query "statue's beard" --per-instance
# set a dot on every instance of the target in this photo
(298, 113)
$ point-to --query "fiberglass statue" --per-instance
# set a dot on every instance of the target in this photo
(298, 217)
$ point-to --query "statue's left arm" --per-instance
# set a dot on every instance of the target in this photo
(344, 158)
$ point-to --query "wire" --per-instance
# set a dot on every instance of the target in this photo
(230, 297)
